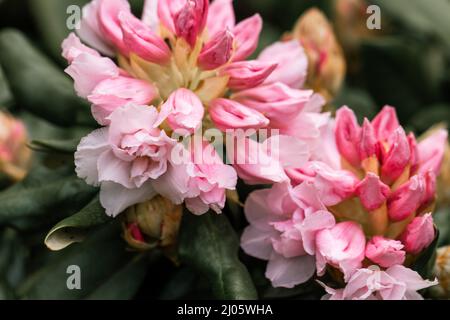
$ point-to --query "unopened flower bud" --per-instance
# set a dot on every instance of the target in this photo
(152, 224)
(217, 51)
(326, 62)
(191, 20)
(419, 234)
(14, 153)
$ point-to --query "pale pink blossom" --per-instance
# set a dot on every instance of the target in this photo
(291, 60)
(183, 110)
(209, 179)
(278, 102)
(90, 31)
(342, 246)
(266, 162)
(396, 283)
(88, 70)
(125, 157)
(283, 226)
(333, 186)
(385, 252)
(72, 48)
(112, 93)
(419, 234)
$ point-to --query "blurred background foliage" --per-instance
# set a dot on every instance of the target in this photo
(406, 64)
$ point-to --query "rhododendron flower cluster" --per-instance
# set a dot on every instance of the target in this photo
(180, 68)
(348, 200)
(364, 217)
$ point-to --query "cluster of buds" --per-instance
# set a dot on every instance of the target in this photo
(14, 153)
(363, 219)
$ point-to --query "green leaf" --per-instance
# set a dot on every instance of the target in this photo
(13, 257)
(124, 283)
(6, 97)
(26, 199)
(76, 227)
(99, 257)
(430, 116)
(59, 146)
(50, 17)
(359, 100)
(442, 220)
(209, 244)
(425, 262)
(428, 17)
(38, 85)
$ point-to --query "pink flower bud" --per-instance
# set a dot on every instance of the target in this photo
(348, 134)
(385, 123)
(430, 189)
(414, 160)
(247, 36)
(167, 10)
(342, 246)
(113, 93)
(253, 161)
(108, 17)
(191, 20)
(220, 17)
(372, 192)
(369, 146)
(431, 151)
(278, 102)
(183, 110)
(406, 199)
(385, 252)
(419, 234)
(217, 51)
(397, 157)
(229, 114)
(141, 40)
(247, 74)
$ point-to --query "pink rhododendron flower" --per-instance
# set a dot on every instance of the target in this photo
(283, 227)
(183, 110)
(396, 283)
(374, 182)
(419, 234)
(385, 252)
(341, 246)
(179, 63)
